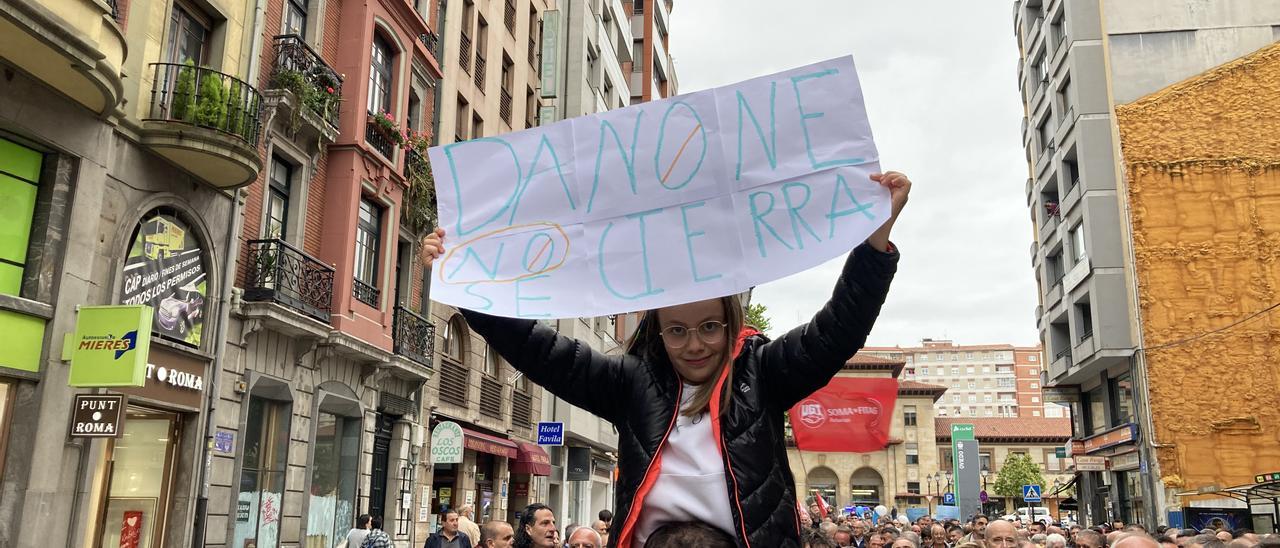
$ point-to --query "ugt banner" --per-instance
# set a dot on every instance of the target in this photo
(848, 415)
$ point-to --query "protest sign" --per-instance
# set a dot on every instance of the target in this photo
(661, 203)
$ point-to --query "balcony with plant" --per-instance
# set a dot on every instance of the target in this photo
(418, 210)
(305, 91)
(383, 134)
(206, 122)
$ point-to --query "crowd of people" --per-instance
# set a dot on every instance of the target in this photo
(981, 532)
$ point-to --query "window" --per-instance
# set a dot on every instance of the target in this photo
(414, 117)
(368, 231)
(987, 398)
(941, 356)
(924, 357)
(1032, 358)
(334, 472)
(986, 369)
(491, 361)
(986, 461)
(1042, 67)
(955, 398)
(987, 412)
(913, 454)
(955, 370)
(968, 370)
(637, 6)
(19, 183)
(1035, 399)
(266, 438)
(913, 487)
(968, 355)
(972, 385)
(1035, 413)
(454, 343)
(380, 76)
(1077, 242)
(973, 412)
(909, 415)
(1051, 462)
(1045, 130)
(295, 17)
(188, 36)
(1035, 385)
(278, 199)
(973, 398)
(1123, 388)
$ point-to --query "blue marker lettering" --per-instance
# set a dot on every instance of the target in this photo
(757, 219)
(488, 304)
(627, 160)
(457, 185)
(545, 144)
(859, 207)
(688, 241)
(770, 153)
(793, 211)
(470, 252)
(657, 153)
(644, 256)
(804, 125)
(519, 299)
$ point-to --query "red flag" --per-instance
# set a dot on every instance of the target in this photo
(849, 415)
(822, 505)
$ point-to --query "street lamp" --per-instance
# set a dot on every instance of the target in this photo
(946, 479)
(933, 479)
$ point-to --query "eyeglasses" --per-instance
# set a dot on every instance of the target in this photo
(677, 336)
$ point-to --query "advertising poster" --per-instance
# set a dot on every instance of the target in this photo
(165, 269)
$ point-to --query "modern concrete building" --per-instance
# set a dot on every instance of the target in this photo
(652, 71)
(592, 44)
(1080, 60)
(981, 380)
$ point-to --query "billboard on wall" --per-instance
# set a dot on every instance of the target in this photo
(165, 269)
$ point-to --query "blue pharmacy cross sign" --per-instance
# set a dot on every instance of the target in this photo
(551, 433)
(949, 499)
(1031, 493)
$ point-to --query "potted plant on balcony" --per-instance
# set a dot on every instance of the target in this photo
(212, 109)
(419, 211)
(386, 125)
(184, 93)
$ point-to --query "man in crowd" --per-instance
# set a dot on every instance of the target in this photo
(585, 537)
(1088, 538)
(997, 534)
(843, 536)
(449, 536)
(466, 515)
(537, 528)
(497, 534)
(356, 536)
(688, 534)
(602, 527)
(377, 538)
(859, 533)
(955, 534)
(979, 526)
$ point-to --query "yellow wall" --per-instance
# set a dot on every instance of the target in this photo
(1202, 161)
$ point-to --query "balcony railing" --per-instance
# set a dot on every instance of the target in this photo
(464, 52)
(378, 140)
(300, 69)
(479, 75)
(364, 292)
(281, 273)
(414, 336)
(430, 40)
(490, 397)
(504, 106)
(115, 10)
(205, 98)
(412, 160)
(1086, 335)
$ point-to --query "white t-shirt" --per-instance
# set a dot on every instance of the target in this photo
(691, 484)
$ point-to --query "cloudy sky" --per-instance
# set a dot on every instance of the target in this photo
(939, 80)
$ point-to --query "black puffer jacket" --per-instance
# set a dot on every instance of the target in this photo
(641, 398)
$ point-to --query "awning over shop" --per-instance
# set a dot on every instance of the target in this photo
(485, 443)
(531, 459)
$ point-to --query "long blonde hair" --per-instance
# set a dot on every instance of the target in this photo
(647, 343)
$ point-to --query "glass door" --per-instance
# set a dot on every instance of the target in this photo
(140, 472)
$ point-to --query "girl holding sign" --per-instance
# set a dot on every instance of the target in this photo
(699, 398)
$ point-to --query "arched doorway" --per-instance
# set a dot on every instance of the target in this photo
(821, 480)
(866, 488)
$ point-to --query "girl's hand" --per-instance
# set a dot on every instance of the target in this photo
(433, 246)
(899, 187)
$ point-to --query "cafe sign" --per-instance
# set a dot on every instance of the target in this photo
(110, 346)
(446, 444)
(172, 377)
(96, 416)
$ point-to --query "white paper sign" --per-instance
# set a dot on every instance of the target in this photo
(660, 203)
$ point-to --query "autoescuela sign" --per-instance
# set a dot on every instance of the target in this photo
(110, 346)
(165, 269)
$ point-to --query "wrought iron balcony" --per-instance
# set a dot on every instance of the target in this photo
(364, 292)
(206, 122)
(415, 337)
(299, 69)
(430, 40)
(413, 161)
(205, 98)
(281, 273)
(377, 139)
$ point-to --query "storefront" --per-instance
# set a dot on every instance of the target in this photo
(532, 462)
(1116, 493)
(481, 479)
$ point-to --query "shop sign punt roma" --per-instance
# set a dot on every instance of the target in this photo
(660, 203)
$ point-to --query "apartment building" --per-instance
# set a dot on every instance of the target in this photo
(1080, 62)
(981, 380)
(653, 74)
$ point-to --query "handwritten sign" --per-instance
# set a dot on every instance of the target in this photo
(661, 203)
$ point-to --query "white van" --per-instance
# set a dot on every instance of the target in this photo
(1041, 515)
